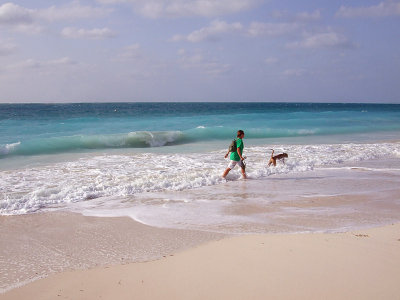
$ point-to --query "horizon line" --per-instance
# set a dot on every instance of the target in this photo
(243, 102)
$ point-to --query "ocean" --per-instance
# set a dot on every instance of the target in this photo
(161, 163)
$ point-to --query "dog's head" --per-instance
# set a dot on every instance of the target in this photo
(284, 154)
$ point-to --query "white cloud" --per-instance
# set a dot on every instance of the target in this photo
(322, 40)
(217, 29)
(7, 48)
(213, 32)
(29, 29)
(80, 33)
(131, 52)
(299, 17)
(207, 8)
(71, 11)
(37, 64)
(186, 8)
(198, 61)
(62, 61)
(19, 18)
(271, 60)
(30, 21)
(294, 72)
(12, 14)
(306, 16)
(383, 9)
(272, 29)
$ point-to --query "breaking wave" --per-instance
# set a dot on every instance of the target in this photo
(31, 189)
(136, 139)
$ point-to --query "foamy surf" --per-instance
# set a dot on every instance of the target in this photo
(54, 186)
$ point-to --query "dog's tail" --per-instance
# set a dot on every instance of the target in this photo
(272, 153)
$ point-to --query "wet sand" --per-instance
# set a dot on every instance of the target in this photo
(37, 245)
(321, 200)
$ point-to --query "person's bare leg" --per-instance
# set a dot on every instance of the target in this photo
(244, 173)
(226, 172)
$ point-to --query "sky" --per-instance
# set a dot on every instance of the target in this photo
(200, 50)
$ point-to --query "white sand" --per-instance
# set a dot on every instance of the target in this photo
(354, 265)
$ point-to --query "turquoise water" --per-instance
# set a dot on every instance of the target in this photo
(31, 129)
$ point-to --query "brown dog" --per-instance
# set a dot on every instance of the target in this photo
(273, 158)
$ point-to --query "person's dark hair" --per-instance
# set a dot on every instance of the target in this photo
(240, 132)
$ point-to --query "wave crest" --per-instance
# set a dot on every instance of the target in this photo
(137, 139)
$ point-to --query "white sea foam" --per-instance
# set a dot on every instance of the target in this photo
(7, 148)
(156, 139)
(55, 185)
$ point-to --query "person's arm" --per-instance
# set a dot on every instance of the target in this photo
(227, 153)
(240, 153)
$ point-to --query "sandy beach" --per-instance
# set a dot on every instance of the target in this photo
(363, 264)
(199, 149)
(37, 245)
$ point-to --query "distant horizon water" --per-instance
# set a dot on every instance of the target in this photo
(199, 101)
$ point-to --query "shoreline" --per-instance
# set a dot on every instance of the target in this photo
(42, 244)
(358, 264)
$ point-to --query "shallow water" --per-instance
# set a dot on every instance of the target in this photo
(325, 199)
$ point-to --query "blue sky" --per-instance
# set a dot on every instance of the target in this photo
(200, 50)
